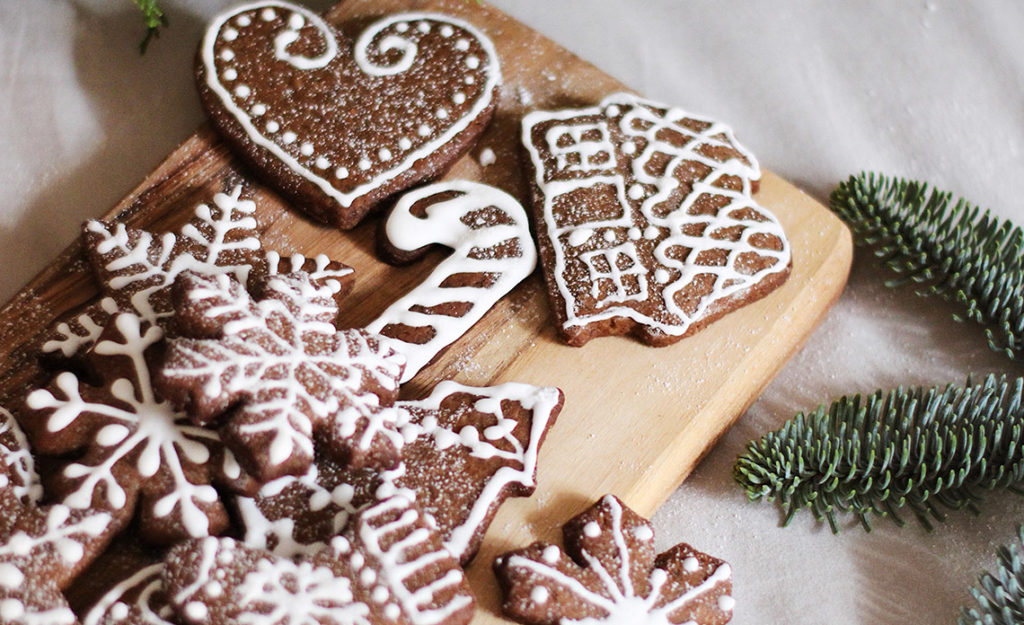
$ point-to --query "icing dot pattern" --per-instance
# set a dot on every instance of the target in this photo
(396, 572)
(453, 430)
(442, 59)
(614, 576)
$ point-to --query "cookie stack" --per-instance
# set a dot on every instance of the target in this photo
(207, 410)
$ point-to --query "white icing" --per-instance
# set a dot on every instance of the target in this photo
(726, 603)
(399, 566)
(616, 596)
(592, 529)
(405, 44)
(271, 350)
(16, 461)
(316, 595)
(75, 339)
(587, 147)
(551, 554)
(487, 157)
(539, 401)
(691, 564)
(444, 225)
(143, 425)
(146, 258)
(540, 595)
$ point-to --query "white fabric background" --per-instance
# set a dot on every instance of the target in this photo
(818, 90)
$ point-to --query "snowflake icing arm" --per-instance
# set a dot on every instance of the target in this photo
(137, 455)
(137, 268)
(42, 548)
(609, 574)
(139, 599)
(281, 373)
(387, 567)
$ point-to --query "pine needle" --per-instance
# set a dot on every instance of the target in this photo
(923, 449)
(953, 250)
(154, 19)
(1000, 595)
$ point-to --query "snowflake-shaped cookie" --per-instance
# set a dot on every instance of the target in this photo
(137, 268)
(283, 373)
(388, 567)
(468, 449)
(42, 548)
(609, 574)
(137, 452)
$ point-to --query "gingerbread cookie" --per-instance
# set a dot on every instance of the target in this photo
(468, 449)
(609, 574)
(136, 268)
(17, 466)
(646, 221)
(139, 599)
(388, 568)
(283, 374)
(134, 453)
(338, 125)
(42, 548)
(493, 251)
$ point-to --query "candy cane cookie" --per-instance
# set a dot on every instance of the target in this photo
(490, 233)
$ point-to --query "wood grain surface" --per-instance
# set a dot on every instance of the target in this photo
(636, 419)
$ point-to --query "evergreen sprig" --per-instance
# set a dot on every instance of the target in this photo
(154, 18)
(953, 250)
(921, 448)
(1000, 595)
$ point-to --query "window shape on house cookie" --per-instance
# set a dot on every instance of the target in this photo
(581, 147)
(620, 268)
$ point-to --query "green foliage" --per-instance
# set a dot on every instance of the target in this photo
(926, 449)
(154, 19)
(1000, 595)
(955, 251)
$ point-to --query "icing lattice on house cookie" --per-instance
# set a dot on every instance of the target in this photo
(138, 455)
(338, 125)
(609, 574)
(283, 373)
(646, 220)
(388, 567)
(468, 449)
(42, 548)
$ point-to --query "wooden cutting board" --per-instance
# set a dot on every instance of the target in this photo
(636, 419)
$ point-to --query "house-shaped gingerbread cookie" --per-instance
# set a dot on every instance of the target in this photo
(646, 220)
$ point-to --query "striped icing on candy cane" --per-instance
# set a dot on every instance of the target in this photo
(489, 232)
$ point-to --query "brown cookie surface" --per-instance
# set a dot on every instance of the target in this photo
(133, 453)
(136, 268)
(281, 374)
(338, 125)
(387, 567)
(646, 221)
(42, 548)
(609, 573)
(468, 449)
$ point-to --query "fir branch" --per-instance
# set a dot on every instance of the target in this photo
(1000, 595)
(923, 448)
(957, 252)
(154, 19)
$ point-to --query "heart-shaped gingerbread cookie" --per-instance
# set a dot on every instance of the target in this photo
(337, 125)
